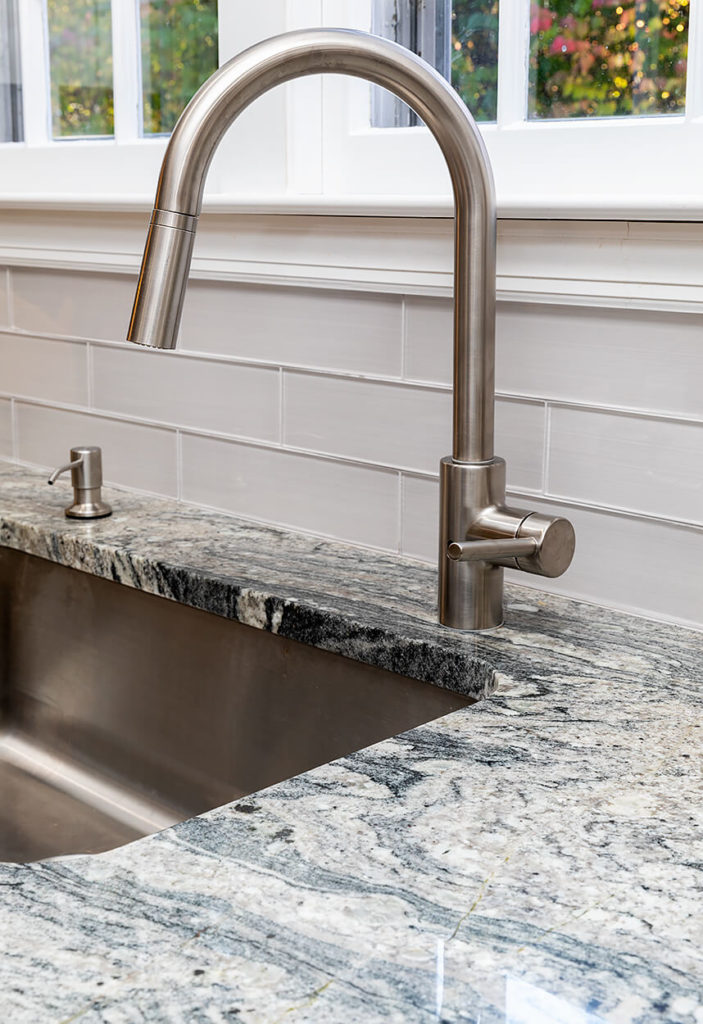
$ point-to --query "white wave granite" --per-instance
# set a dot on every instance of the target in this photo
(536, 858)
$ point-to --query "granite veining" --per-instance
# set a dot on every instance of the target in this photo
(536, 858)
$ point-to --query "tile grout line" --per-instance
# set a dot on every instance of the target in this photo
(403, 335)
(179, 466)
(89, 371)
(401, 507)
(15, 430)
(546, 445)
(10, 298)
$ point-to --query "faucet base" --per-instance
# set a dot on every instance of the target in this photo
(470, 593)
(479, 536)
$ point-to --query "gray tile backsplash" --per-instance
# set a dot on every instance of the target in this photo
(328, 411)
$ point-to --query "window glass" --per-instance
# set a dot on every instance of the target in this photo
(607, 59)
(474, 55)
(80, 59)
(179, 51)
(10, 88)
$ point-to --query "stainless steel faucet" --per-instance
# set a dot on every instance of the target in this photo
(478, 534)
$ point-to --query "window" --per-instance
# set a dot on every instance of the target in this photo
(80, 67)
(561, 142)
(459, 39)
(10, 87)
(607, 59)
(587, 58)
(178, 53)
(109, 80)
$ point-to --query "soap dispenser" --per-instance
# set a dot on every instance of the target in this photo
(87, 477)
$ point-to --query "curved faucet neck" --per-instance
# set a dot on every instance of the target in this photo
(164, 274)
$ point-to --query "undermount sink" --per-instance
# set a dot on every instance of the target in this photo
(123, 713)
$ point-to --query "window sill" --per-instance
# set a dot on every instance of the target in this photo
(679, 208)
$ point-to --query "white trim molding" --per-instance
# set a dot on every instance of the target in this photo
(612, 264)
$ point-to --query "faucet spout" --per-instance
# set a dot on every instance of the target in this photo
(472, 480)
(164, 275)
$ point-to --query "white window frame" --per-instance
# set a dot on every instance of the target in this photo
(310, 145)
(124, 170)
(651, 167)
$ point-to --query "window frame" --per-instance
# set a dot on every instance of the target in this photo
(310, 146)
(542, 169)
(124, 168)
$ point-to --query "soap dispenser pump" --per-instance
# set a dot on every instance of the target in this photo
(87, 477)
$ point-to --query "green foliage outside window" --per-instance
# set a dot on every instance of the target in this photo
(608, 59)
(603, 58)
(475, 55)
(80, 55)
(179, 51)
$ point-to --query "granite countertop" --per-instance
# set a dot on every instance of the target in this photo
(533, 858)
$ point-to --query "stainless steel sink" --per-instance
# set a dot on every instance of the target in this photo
(123, 713)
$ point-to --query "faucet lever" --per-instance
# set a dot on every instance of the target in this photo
(489, 550)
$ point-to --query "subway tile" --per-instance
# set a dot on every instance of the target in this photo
(203, 394)
(5, 427)
(82, 305)
(428, 339)
(420, 518)
(303, 492)
(609, 565)
(637, 463)
(639, 565)
(401, 426)
(637, 359)
(631, 358)
(309, 327)
(43, 368)
(519, 439)
(133, 455)
(387, 423)
(4, 305)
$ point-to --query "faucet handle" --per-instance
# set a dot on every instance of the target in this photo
(87, 477)
(489, 550)
(543, 545)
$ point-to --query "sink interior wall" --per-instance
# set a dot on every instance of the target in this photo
(173, 708)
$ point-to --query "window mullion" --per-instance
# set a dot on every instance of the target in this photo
(126, 64)
(694, 65)
(513, 54)
(34, 68)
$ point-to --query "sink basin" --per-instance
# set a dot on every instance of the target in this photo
(123, 713)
